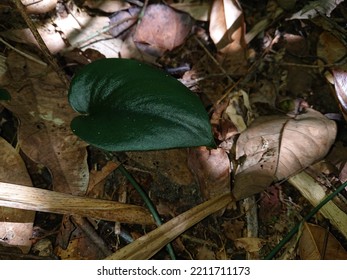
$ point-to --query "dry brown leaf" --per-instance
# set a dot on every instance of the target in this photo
(250, 244)
(340, 83)
(39, 100)
(315, 239)
(162, 29)
(204, 253)
(331, 49)
(16, 225)
(276, 147)
(97, 179)
(212, 170)
(228, 33)
(79, 248)
(233, 229)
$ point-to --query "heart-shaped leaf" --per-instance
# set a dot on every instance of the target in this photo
(128, 105)
(4, 95)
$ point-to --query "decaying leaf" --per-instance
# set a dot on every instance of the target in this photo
(239, 110)
(212, 170)
(315, 8)
(331, 49)
(39, 7)
(340, 83)
(39, 100)
(161, 29)
(316, 243)
(205, 253)
(16, 225)
(276, 147)
(124, 21)
(250, 244)
(227, 32)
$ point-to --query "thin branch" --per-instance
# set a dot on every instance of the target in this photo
(23, 53)
(42, 44)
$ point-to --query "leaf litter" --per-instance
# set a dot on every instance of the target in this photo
(248, 71)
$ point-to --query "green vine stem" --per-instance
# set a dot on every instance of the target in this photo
(306, 218)
(149, 204)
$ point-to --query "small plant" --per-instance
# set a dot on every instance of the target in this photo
(126, 105)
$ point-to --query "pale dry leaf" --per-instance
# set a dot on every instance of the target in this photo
(107, 6)
(39, 7)
(39, 100)
(317, 244)
(162, 29)
(224, 15)
(212, 170)
(86, 32)
(227, 30)
(239, 110)
(52, 39)
(340, 84)
(311, 190)
(315, 8)
(124, 21)
(277, 147)
(16, 225)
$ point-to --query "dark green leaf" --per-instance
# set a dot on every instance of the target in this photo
(128, 105)
(4, 95)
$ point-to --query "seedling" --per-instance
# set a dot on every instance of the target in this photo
(126, 105)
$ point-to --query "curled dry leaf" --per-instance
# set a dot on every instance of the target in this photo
(316, 243)
(227, 32)
(124, 20)
(276, 147)
(161, 29)
(340, 83)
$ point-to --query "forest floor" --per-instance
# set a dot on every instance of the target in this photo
(285, 60)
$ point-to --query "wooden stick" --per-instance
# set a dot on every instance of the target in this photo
(147, 245)
(29, 198)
